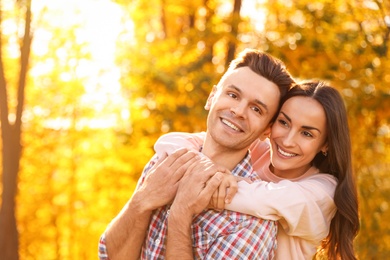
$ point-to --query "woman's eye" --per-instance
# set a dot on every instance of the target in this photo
(308, 134)
(282, 122)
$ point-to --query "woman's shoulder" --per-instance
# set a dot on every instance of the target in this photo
(320, 182)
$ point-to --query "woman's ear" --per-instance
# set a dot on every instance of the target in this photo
(209, 101)
(324, 149)
(266, 133)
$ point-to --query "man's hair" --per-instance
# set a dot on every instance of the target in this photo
(266, 66)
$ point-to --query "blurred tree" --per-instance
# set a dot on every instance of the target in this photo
(11, 109)
(70, 152)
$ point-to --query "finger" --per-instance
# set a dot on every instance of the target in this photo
(221, 196)
(202, 167)
(175, 155)
(185, 168)
(214, 200)
(180, 159)
(249, 180)
(212, 185)
(217, 198)
(233, 188)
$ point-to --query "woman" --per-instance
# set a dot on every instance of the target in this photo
(307, 180)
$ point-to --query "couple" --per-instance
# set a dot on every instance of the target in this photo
(300, 190)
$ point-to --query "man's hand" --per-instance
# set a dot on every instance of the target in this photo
(126, 233)
(197, 187)
(161, 183)
(193, 195)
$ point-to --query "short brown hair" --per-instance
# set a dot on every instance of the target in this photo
(266, 66)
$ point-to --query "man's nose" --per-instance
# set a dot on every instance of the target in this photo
(239, 110)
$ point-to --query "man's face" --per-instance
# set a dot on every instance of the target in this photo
(241, 108)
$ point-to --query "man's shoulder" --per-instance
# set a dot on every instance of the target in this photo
(244, 168)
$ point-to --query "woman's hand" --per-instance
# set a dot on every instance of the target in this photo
(226, 191)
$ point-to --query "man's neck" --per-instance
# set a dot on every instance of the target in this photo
(223, 156)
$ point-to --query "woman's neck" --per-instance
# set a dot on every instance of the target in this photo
(290, 173)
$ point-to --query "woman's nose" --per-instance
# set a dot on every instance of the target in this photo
(289, 139)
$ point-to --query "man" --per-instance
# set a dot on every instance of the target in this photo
(241, 108)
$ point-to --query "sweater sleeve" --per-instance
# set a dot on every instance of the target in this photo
(303, 208)
(170, 142)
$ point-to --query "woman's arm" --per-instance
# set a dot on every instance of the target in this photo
(304, 208)
(170, 142)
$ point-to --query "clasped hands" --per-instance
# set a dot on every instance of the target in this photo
(190, 181)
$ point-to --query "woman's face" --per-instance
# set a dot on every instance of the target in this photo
(297, 135)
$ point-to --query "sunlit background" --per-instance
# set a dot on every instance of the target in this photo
(107, 78)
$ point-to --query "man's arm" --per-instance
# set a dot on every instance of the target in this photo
(193, 196)
(126, 233)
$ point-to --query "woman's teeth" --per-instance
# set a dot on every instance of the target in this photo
(286, 153)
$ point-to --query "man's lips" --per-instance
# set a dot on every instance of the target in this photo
(231, 125)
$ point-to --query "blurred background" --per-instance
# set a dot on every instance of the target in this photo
(86, 88)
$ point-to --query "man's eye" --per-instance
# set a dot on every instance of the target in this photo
(232, 95)
(257, 110)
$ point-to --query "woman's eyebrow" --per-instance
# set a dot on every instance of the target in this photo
(304, 126)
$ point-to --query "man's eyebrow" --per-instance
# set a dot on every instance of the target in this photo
(259, 102)
(304, 126)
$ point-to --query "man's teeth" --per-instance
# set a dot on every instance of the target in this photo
(230, 125)
(285, 153)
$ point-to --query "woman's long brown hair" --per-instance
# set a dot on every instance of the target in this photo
(338, 162)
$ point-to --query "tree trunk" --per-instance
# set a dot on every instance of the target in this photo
(163, 19)
(11, 154)
(11, 150)
(235, 21)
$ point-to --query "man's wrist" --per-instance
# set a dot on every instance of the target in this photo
(140, 205)
(179, 215)
(179, 244)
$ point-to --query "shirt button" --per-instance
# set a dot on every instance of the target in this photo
(157, 241)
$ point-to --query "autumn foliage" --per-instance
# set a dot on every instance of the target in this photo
(86, 134)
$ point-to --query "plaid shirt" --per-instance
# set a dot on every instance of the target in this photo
(215, 234)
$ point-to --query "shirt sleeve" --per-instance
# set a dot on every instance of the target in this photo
(146, 169)
(303, 208)
(103, 255)
(170, 142)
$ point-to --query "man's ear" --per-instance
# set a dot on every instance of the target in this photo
(210, 98)
(266, 133)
